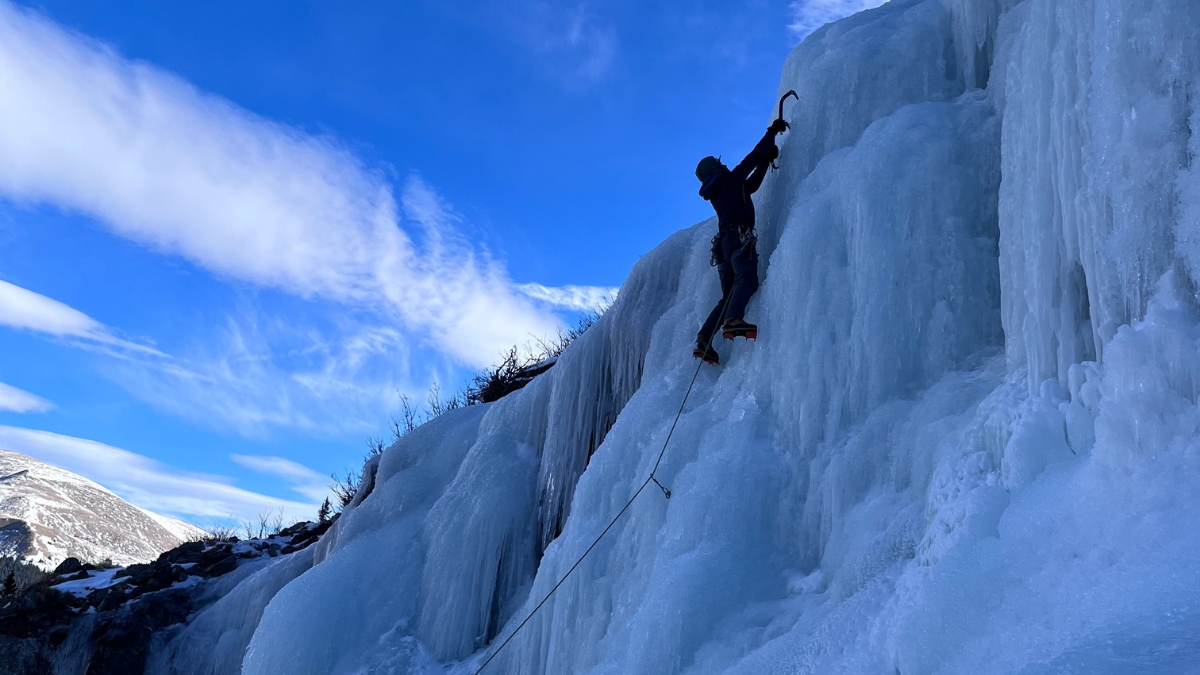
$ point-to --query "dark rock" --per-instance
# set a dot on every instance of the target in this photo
(98, 596)
(138, 574)
(113, 627)
(122, 638)
(115, 598)
(21, 656)
(302, 539)
(306, 537)
(68, 566)
(223, 566)
(165, 609)
(57, 634)
(188, 552)
(121, 643)
(36, 611)
(214, 554)
(164, 574)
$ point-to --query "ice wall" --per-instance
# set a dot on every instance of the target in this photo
(1096, 98)
(965, 442)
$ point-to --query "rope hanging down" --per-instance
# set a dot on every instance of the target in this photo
(666, 493)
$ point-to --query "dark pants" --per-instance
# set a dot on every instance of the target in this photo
(737, 264)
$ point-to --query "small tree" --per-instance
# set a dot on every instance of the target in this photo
(215, 533)
(345, 488)
(407, 422)
(438, 407)
(10, 584)
(324, 512)
(375, 447)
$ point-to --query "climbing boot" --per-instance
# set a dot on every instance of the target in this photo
(734, 328)
(706, 353)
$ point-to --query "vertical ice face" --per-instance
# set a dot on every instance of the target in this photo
(850, 74)
(1097, 97)
(965, 441)
(591, 384)
(885, 277)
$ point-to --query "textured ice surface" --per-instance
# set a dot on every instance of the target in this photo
(966, 442)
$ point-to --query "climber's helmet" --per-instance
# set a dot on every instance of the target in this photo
(707, 167)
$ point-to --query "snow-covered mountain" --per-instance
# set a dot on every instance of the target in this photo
(967, 440)
(48, 514)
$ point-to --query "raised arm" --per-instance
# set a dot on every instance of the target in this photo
(755, 179)
(760, 156)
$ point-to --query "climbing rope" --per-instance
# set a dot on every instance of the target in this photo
(666, 493)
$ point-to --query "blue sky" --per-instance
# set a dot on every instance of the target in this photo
(231, 232)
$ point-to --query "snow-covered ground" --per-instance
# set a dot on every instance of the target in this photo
(48, 514)
(967, 440)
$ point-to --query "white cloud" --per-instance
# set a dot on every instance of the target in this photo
(304, 480)
(190, 174)
(20, 401)
(568, 38)
(809, 15)
(580, 33)
(282, 374)
(576, 298)
(23, 309)
(149, 483)
(257, 372)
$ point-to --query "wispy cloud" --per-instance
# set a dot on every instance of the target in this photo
(190, 174)
(252, 374)
(574, 298)
(20, 401)
(569, 38)
(256, 373)
(303, 480)
(148, 483)
(809, 15)
(579, 32)
(23, 309)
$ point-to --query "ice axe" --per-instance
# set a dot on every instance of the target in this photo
(793, 94)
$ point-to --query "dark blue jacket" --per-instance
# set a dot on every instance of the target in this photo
(729, 191)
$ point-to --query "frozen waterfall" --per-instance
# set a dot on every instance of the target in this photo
(968, 440)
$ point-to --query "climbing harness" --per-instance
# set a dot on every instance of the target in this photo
(749, 239)
(714, 252)
(749, 245)
(652, 478)
(793, 94)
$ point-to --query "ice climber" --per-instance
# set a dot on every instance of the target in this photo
(733, 249)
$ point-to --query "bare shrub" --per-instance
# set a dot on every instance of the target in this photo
(215, 533)
(344, 488)
(408, 419)
(375, 447)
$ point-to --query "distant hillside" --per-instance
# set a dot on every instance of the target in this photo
(48, 514)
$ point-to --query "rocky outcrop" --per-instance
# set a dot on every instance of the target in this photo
(100, 621)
